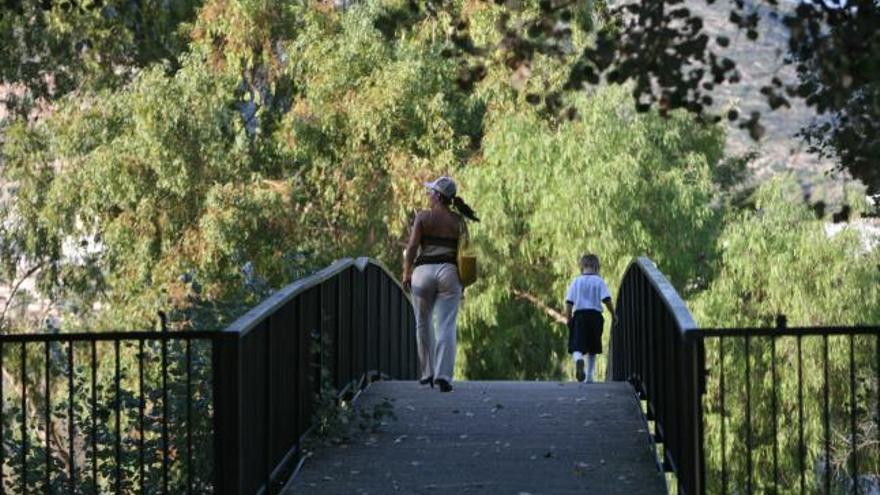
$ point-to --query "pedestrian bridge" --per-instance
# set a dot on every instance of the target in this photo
(745, 410)
(493, 437)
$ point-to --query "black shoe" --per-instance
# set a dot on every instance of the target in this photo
(444, 385)
(579, 367)
(427, 381)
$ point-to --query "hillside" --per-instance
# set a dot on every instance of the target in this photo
(758, 62)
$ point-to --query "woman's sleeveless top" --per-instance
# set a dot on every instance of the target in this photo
(435, 249)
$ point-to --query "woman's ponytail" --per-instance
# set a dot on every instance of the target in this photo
(464, 209)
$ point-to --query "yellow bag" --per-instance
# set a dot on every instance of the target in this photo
(467, 260)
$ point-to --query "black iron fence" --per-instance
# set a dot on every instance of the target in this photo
(268, 372)
(108, 412)
(197, 412)
(792, 410)
(650, 348)
(750, 410)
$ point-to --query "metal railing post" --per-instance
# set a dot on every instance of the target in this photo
(694, 367)
(226, 364)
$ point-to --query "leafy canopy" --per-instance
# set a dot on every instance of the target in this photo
(615, 182)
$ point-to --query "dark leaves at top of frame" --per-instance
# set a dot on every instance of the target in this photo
(394, 19)
(754, 127)
(664, 50)
(842, 215)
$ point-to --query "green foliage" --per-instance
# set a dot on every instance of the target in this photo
(53, 48)
(338, 420)
(191, 160)
(95, 434)
(369, 120)
(615, 183)
(157, 195)
(674, 59)
(778, 259)
(112, 189)
(800, 406)
(242, 36)
(336, 415)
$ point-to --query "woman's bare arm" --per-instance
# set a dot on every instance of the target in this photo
(412, 247)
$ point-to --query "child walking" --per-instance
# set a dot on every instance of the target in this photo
(585, 297)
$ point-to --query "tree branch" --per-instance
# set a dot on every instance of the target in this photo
(15, 290)
(552, 313)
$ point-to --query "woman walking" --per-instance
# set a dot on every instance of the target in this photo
(430, 272)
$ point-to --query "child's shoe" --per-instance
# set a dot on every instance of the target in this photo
(579, 370)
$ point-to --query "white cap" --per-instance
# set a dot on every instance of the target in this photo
(443, 185)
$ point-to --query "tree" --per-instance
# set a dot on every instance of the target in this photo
(52, 48)
(665, 51)
(836, 49)
(613, 182)
(166, 194)
(778, 259)
(111, 186)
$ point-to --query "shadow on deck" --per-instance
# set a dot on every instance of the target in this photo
(493, 437)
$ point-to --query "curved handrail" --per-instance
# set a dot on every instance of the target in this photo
(656, 346)
(668, 294)
(329, 333)
(252, 318)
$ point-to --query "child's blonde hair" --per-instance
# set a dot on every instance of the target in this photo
(591, 261)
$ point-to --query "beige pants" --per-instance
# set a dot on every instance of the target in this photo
(436, 290)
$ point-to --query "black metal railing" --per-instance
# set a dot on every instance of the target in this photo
(352, 319)
(650, 348)
(750, 410)
(104, 412)
(197, 411)
(792, 410)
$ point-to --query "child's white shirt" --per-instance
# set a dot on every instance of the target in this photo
(587, 292)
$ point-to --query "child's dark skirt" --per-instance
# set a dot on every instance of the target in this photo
(585, 332)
